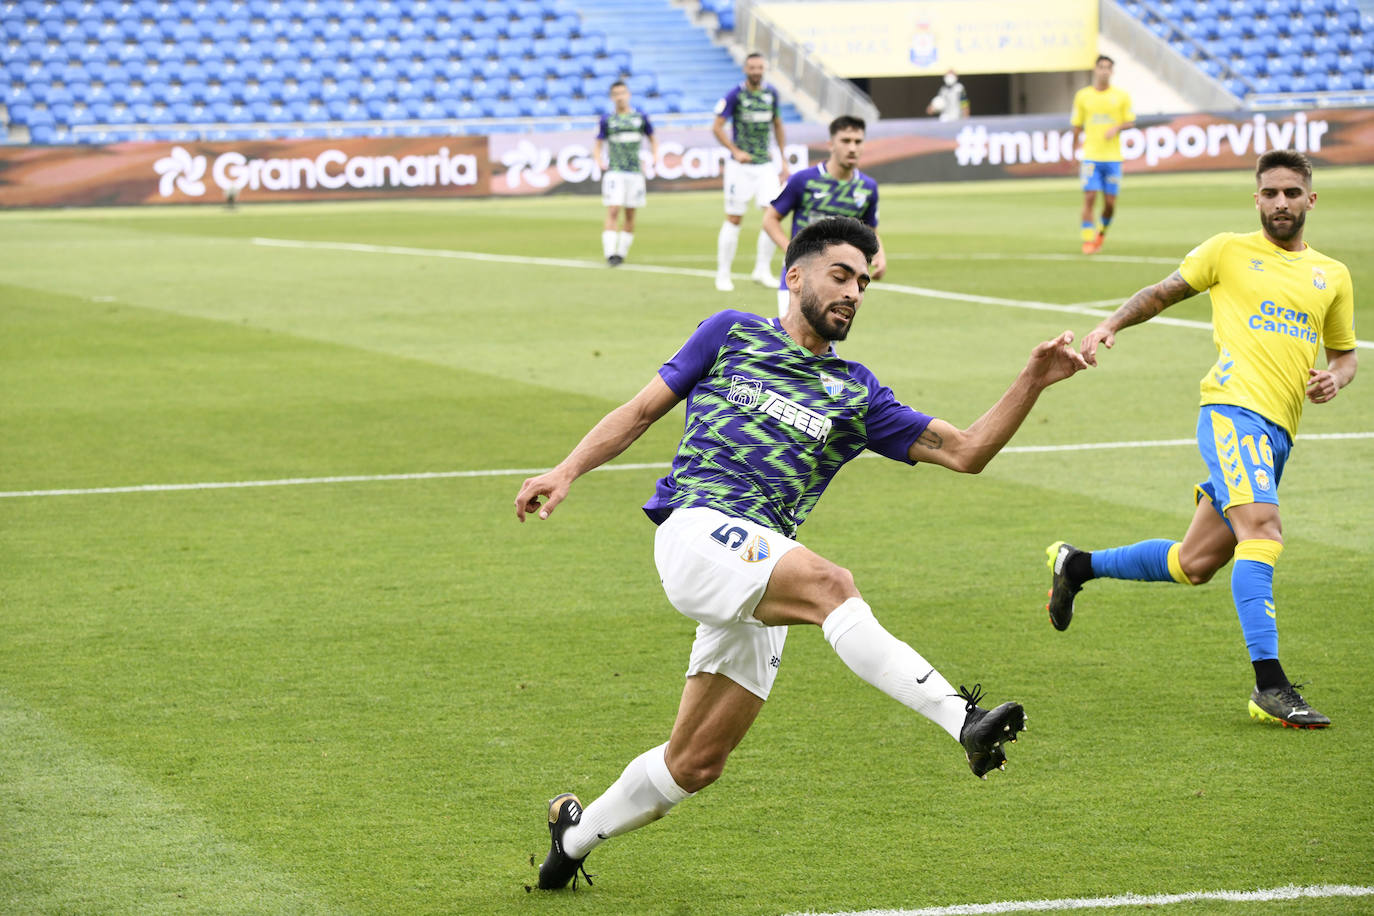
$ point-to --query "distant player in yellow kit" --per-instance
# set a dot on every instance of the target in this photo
(1275, 303)
(1100, 113)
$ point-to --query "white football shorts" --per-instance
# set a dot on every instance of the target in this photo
(715, 569)
(746, 182)
(623, 189)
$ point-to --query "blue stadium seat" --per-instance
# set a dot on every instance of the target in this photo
(521, 46)
(642, 83)
(589, 43)
(552, 46)
(534, 68)
(483, 90)
(520, 28)
(504, 108)
(485, 30)
(607, 68)
(569, 68)
(494, 68)
(43, 134)
(569, 24)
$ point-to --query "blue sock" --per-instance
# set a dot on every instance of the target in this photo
(1252, 587)
(1106, 221)
(1147, 561)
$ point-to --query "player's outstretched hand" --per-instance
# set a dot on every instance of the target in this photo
(550, 484)
(1097, 336)
(1321, 386)
(879, 266)
(1055, 360)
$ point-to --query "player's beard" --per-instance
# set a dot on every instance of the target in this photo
(1283, 232)
(816, 314)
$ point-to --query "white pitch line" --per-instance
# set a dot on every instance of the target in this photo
(989, 256)
(1099, 303)
(1269, 895)
(452, 254)
(1078, 309)
(525, 472)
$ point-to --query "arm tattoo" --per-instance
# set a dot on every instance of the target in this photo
(931, 440)
(1152, 300)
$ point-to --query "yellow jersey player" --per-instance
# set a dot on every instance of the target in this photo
(1100, 113)
(1275, 303)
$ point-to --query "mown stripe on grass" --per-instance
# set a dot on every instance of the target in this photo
(80, 834)
(527, 472)
(1268, 895)
(950, 295)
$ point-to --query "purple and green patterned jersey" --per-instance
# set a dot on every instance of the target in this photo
(751, 113)
(769, 423)
(814, 193)
(623, 133)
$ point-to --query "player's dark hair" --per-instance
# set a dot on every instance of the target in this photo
(1284, 159)
(833, 230)
(617, 83)
(1101, 58)
(753, 54)
(847, 122)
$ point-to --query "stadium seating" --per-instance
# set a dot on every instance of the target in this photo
(1265, 47)
(103, 70)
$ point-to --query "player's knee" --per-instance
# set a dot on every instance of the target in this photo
(697, 767)
(1199, 576)
(1200, 568)
(833, 584)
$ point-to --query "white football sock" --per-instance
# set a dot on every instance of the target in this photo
(622, 247)
(644, 792)
(726, 243)
(891, 665)
(607, 243)
(763, 253)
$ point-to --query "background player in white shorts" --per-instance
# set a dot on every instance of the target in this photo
(623, 131)
(753, 109)
(772, 414)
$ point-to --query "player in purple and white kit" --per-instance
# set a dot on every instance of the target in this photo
(772, 414)
(834, 187)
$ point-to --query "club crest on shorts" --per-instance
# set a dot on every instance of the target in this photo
(832, 385)
(756, 549)
(1262, 479)
(745, 392)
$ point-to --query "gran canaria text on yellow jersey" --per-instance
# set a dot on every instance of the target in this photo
(1271, 312)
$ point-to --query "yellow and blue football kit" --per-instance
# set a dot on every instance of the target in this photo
(1272, 312)
(1095, 110)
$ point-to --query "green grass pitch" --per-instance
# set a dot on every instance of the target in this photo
(356, 697)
